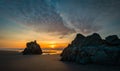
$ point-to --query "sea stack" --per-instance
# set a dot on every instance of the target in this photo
(93, 49)
(32, 48)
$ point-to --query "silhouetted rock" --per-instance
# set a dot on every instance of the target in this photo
(112, 40)
(93, 49)
(78, 39)
(32, 48)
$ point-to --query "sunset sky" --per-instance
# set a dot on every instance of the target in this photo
(54, 23)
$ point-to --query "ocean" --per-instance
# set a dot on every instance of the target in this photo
(46, 51)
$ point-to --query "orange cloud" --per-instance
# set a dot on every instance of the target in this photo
(22, 44)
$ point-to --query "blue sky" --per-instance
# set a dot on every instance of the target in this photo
(58, 19)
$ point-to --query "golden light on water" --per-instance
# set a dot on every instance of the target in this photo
(52, 52)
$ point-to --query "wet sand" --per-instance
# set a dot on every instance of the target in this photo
(14, 61)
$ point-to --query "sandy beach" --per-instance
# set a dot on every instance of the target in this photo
(14, 61)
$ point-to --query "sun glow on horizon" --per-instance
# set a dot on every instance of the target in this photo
(52, 45)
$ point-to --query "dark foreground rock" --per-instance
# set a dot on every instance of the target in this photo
(32, 48)
(93, 49)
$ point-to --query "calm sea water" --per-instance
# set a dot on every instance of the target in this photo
(45, 51)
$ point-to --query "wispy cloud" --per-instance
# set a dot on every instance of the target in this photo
(59, 17)
(35, 14)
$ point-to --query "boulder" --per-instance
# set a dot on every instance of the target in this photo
(93, 49)
(32, 48)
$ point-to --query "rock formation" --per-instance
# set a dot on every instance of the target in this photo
(32, 48)
(93, 49)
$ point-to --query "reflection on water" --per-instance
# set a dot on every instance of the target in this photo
(51, 52)
(45, 51)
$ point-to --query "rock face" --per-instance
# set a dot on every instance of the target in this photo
(32, 48)
(112, 40)
(93, 49)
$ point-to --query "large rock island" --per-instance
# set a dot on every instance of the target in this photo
(93, 49)
(32, 48)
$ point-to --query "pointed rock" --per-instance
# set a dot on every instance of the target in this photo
(78, 39)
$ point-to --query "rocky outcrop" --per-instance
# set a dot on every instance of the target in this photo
(32, 48)
(93, 49)
(112, 40)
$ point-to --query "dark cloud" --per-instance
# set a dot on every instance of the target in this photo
(36, 14)
(60, 17)
(85, 16)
